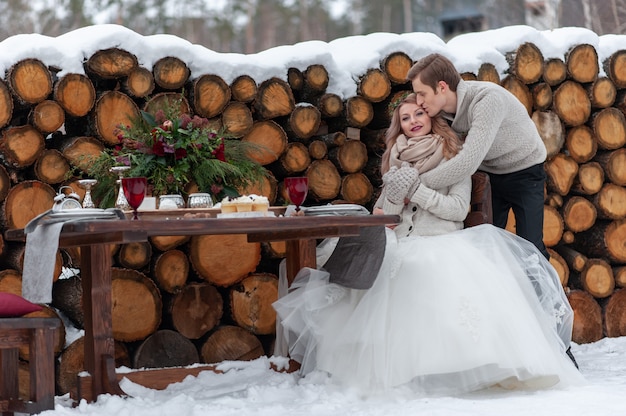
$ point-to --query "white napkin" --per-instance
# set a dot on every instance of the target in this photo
(39, 259)
(42, 243)
(281, 349)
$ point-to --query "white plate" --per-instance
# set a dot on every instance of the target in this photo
(251, 214)
(338, 209)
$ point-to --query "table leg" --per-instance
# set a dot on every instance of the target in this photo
(42, 368)
(95, 267)
(300, 253)
(9, 387)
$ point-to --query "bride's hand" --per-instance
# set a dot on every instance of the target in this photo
(379, 211)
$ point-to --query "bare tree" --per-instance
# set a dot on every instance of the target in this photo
(620, 15)
(251, 8)
(357, 17)
(305, 31)
(408, 16)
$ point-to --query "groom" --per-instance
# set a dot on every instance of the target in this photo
(500, 139)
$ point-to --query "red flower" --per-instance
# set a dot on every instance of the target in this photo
(216, 189)
(219, 152)
(180, 153)
(158, 148)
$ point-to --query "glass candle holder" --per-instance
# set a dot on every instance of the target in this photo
(172, 201)
(199, 200)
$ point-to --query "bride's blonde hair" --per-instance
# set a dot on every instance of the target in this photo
(451, 142)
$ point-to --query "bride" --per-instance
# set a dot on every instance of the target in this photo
(450, 310)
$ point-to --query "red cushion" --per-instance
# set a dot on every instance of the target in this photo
(13, 305)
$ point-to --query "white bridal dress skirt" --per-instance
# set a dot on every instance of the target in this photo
(447, 314)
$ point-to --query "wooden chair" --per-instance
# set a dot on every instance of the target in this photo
(38, 335)
(480, 204)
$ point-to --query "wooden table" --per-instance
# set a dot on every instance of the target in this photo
(94, 236)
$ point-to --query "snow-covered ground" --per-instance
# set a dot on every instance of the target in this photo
(253, 389)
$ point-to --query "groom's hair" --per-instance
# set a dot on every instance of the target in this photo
(434, 68)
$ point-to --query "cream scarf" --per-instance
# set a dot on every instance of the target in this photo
(422, 152)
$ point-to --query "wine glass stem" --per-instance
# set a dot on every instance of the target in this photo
(87, 201)
(121, 201)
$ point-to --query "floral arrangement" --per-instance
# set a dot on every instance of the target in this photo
(174, 151)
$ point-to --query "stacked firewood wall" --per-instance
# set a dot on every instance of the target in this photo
(181, 300)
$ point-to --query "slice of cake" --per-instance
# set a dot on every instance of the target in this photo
(243, 204)
(260, 203)
(228, 205)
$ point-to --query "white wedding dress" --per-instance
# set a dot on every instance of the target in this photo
(447, 314)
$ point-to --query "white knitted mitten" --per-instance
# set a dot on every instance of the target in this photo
(388, 176)
(389, 208)
(398, 185)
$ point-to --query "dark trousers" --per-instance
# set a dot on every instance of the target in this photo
(523, 192)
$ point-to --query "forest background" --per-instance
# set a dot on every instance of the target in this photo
(249, 26)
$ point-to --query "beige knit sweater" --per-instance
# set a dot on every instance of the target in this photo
(430, 211)
(500, 137)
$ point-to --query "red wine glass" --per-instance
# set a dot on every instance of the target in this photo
(134, 191)
(297, 189)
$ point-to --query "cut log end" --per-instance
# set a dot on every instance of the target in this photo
(170, 73)
(587, 317)
(30, 80)
(224, 260)
(76, 94)
(137, 305)
(615, 314)
(165, 348)
(251, 303)
(231, 343)
(113, 109)
(196, 310)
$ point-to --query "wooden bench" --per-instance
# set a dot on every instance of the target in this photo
(38, 335)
